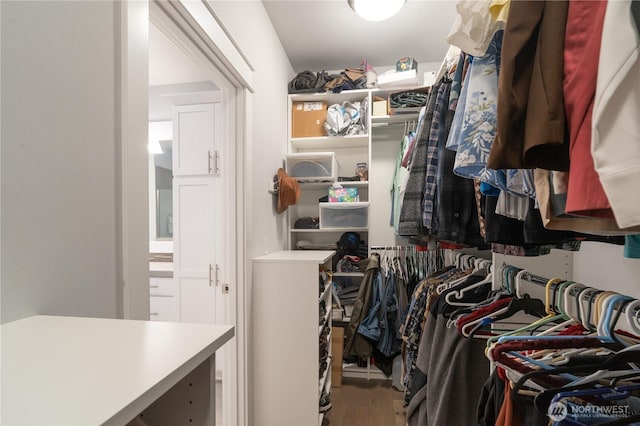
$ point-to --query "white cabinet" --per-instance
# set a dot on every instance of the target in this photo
(196, 134)
(288, 323)
(197, 212)
(164, 299)
(195, 249)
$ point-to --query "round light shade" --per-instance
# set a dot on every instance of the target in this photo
(376, 10)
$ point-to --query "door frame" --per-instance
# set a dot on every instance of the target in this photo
(196, 30)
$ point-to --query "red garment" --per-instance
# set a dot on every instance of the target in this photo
(585, 195)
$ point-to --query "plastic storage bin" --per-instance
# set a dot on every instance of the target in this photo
(312, 166)
(344, 215)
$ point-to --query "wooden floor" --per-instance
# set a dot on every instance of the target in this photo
(360, 402)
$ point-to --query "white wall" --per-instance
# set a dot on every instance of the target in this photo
(605, 267)
(58, 168)
(249, 25)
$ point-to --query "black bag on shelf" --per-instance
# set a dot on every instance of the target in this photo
(308, 82)
(348, 243)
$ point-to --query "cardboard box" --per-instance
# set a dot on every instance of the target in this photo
(307, 119)
(337, 344)
(379, 106)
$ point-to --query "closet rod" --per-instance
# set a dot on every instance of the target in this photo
(542, 281)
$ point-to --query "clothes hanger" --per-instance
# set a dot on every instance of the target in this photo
(459, 294)
(550, 317)
(612, 361)
(631, 315)
(603, 371)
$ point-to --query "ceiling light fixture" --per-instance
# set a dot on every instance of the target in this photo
(376, 10)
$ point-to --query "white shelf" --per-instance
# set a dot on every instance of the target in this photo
(297, 256)
(330, 97)
(330, 142)
(385, 120)
(327, 230)
(356, 184)
(348, 274)
(278, 370)
(363, 373)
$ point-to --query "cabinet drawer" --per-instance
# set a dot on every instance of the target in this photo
(163, 287)
(344, 215)
(164, 308)
(312, 166)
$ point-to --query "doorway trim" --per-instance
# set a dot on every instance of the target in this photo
(195, 29)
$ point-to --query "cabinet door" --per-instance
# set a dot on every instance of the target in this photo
(196, 128)
(195, 240)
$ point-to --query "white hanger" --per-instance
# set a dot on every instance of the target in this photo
(460, 293)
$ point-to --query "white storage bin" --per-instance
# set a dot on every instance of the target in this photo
(312, 166)
(344, 215)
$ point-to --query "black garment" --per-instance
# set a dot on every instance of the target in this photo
(456, 204)
(490, 401)
(505, 230)
(451, 368)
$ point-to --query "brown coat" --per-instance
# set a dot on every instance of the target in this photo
(531, 124)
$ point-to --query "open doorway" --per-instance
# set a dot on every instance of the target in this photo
(177, 81)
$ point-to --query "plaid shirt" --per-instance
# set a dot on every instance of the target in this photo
(437, 133)
(411, 210)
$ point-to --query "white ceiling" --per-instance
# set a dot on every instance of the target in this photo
(328, 35)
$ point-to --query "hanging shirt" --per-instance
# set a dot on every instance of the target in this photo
(437, 133)
(473, 27)
(400, 177)
(411, 210)
(530, 128)
(479, 121)
(615, 143)
(585, 195)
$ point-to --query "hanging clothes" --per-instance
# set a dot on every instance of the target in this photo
(355, 343)
(437, 136)
(585, 195)
(615, 143)
(479, 120)
(444, 395)
(411, 210)
(400, 177)
(530, 124)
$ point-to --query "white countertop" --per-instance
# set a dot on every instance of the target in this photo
(296, 256)
(161, 269)
(94, 371)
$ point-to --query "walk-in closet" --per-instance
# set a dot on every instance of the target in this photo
(473, 230)
(427, 213)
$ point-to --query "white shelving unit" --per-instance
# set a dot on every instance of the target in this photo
(287, 332)
(348, 150)
(378, 148)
